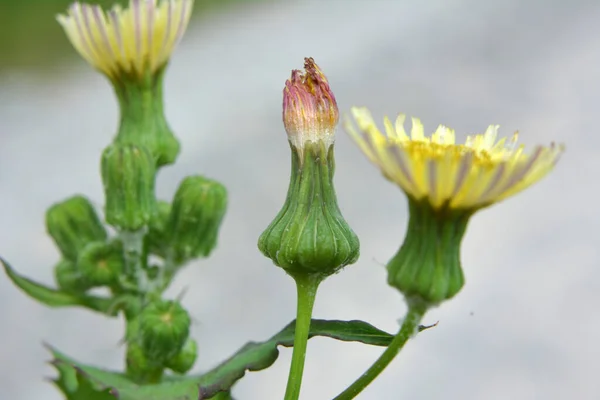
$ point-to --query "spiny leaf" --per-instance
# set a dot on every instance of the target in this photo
(57, 298)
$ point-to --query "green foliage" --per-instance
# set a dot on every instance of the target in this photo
(58, 298)
(254, 356)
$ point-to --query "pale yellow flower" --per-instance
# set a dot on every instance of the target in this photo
(436, 169)
(131, 41)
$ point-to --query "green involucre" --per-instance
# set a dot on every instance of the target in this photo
(72, 224)
(69, 279)
(193, 226)
(128, 174)
(310, 235)
(101, 263)
(164, 327)
(427, 266)
(185, 359)
(143, 121)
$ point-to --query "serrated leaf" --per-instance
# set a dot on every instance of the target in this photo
(57, 298)
(254, 356)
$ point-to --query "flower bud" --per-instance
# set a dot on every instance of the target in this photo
(184, 361)
(310, 235)
(198, 209)
(156, 238)
(101, 263)
(68, 278)
(128, 174)
(72, 224)
(427, 267)
(139, 367)
(164, 329)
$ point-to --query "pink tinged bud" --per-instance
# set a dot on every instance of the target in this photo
(310, 112)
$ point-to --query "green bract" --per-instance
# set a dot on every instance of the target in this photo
(72, 224)
(185, 359)
(101, 263)
(427, 266)
(164, 328)
(143, 121)
(128, 174)
(310, 235)
(193, 225)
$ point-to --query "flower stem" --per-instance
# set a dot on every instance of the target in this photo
(415, 313)
(306, 287)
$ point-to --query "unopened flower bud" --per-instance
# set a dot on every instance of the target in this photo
(164, 329)
(100, 263)
(140, 368)
(128, 174)
(198, 209)
(68, 278)
(184, 361)
(310, 235)
(72, 224)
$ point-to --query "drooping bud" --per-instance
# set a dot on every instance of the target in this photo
(72, 224)
(128, 174)
(184, 361)
(100, 263)
(310, 235)
(68, 278)
(164, 329)
(156, 237)
(193, 226)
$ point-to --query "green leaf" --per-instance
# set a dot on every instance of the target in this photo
(216, 383)
(76, 386)
(57, 298)
(256, 356)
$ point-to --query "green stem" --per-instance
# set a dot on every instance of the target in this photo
(416, 310)
(133, 251)
(306, 286)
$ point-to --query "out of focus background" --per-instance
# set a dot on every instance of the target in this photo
(526, 325)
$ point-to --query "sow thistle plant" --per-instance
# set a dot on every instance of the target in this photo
(135, 250)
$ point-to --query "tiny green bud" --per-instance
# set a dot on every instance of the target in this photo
(128, 174)
(139, 367)
(156, 238)
(72, 224)
(100, 263)
(198, 209)
(68, 278)
(184, 361)
(164, 329)
(427, 266)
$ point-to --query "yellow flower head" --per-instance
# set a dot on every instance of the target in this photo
(437, 170)
(130, 41)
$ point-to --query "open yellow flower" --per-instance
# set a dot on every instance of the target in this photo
(131, 41)
(443, 173)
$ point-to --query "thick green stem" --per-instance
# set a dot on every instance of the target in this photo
(307, 289)
(416, 310)
(133, 252)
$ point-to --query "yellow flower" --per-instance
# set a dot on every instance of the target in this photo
(443, 173)
(130, 41)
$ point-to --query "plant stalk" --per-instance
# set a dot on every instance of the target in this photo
(409, 327)
(306, 287)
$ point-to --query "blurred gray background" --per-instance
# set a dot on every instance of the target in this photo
(525, 326)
